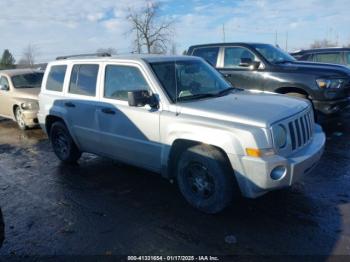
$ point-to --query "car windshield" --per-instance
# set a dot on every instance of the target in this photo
(273, 54)
(190, 80)
(30, 80)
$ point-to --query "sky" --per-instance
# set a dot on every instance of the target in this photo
(63, 27)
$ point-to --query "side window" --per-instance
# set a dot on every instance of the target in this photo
(55, 78)
(4, 81)
(83, 80)
(233, 56)
(121, 79)
(308, 57)
(347, 57)
(210, 54)
(333, 58)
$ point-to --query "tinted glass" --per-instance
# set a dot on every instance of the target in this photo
(27, 80)
(233, 56)
(4, 81)
(55, 78)
(210, 54)
(347, 55)
(273, 54)
(121, 79)
(83, 80)
(189, 79)
(333, 58)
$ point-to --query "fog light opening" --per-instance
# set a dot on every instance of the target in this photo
(278, 173)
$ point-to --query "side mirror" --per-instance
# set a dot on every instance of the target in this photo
(4, 87)
(140, 98)
(248, 62)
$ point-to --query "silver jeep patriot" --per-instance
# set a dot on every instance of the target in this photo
(176, 115)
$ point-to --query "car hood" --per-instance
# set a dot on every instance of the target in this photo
(318, 69)
(245, 107)
(27, 93)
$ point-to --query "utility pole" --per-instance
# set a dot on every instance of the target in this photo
(223, 33)
(276, 38)
(138, 42)
(287, 41)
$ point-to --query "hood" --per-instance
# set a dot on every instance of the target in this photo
(317, 69)
(27, 93)
(244, 107)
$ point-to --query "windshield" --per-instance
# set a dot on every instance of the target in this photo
(273, 54)
(189, 80)
(30, 80)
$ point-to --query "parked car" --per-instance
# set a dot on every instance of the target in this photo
(177, 116)
(334, 55)
(268, 68)
(19, 90)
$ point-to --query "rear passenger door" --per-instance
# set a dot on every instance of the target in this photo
(130, 134)
(82, 105)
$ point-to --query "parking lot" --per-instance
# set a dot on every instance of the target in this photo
(101, 207)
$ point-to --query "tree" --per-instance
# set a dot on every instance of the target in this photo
(29, 56)
(323, 43)
(109, 50)
(150, 31)
(7, 60)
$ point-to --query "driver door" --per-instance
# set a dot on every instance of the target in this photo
(5, 98)
(240, 76)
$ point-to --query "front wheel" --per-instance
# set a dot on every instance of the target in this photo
(19, 119)
(63, 144)
(205, 178)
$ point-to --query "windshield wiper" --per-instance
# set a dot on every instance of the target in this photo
(226, 91)
(197, 96)
(282, 62)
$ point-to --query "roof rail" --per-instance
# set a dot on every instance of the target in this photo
(83, 55)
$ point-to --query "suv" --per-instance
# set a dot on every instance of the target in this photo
(265, 67)
(334, 55)
(177, 116)
(19, 90)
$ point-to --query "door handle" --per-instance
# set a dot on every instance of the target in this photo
(227, 75)
(108, 111)
(69, 104)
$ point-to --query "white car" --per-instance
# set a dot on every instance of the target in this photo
(176, 115)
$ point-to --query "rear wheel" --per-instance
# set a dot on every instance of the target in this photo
(205, 178)
(63, 144)
(19, 119)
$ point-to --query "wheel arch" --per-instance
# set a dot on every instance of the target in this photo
(291, 89)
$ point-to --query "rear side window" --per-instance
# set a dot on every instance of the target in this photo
(333, 58)
(119, 80)
(83, 80)
(55, 78)
(210, 54)
(307, 57)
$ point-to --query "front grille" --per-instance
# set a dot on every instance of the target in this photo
(301, 129)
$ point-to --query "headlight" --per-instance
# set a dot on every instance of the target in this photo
(329, 83)
(30, 105)
(279, 136)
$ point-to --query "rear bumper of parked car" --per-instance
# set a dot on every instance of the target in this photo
(331, 107)
(254, 175)
(30, 117)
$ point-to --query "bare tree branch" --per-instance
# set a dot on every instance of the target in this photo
(150, 32)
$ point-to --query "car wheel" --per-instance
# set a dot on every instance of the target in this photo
(297, 95)
(205, 178)
(63, 144)
(19, 119)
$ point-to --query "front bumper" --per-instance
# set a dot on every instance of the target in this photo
(30, 117)
(253, 174)
(331, 107)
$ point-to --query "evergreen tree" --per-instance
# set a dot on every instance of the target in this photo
(7, 60)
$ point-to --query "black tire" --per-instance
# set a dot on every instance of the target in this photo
(205, 178)
(19, 119)
(63, 144)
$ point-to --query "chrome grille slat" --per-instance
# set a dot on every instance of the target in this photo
(300, 129)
